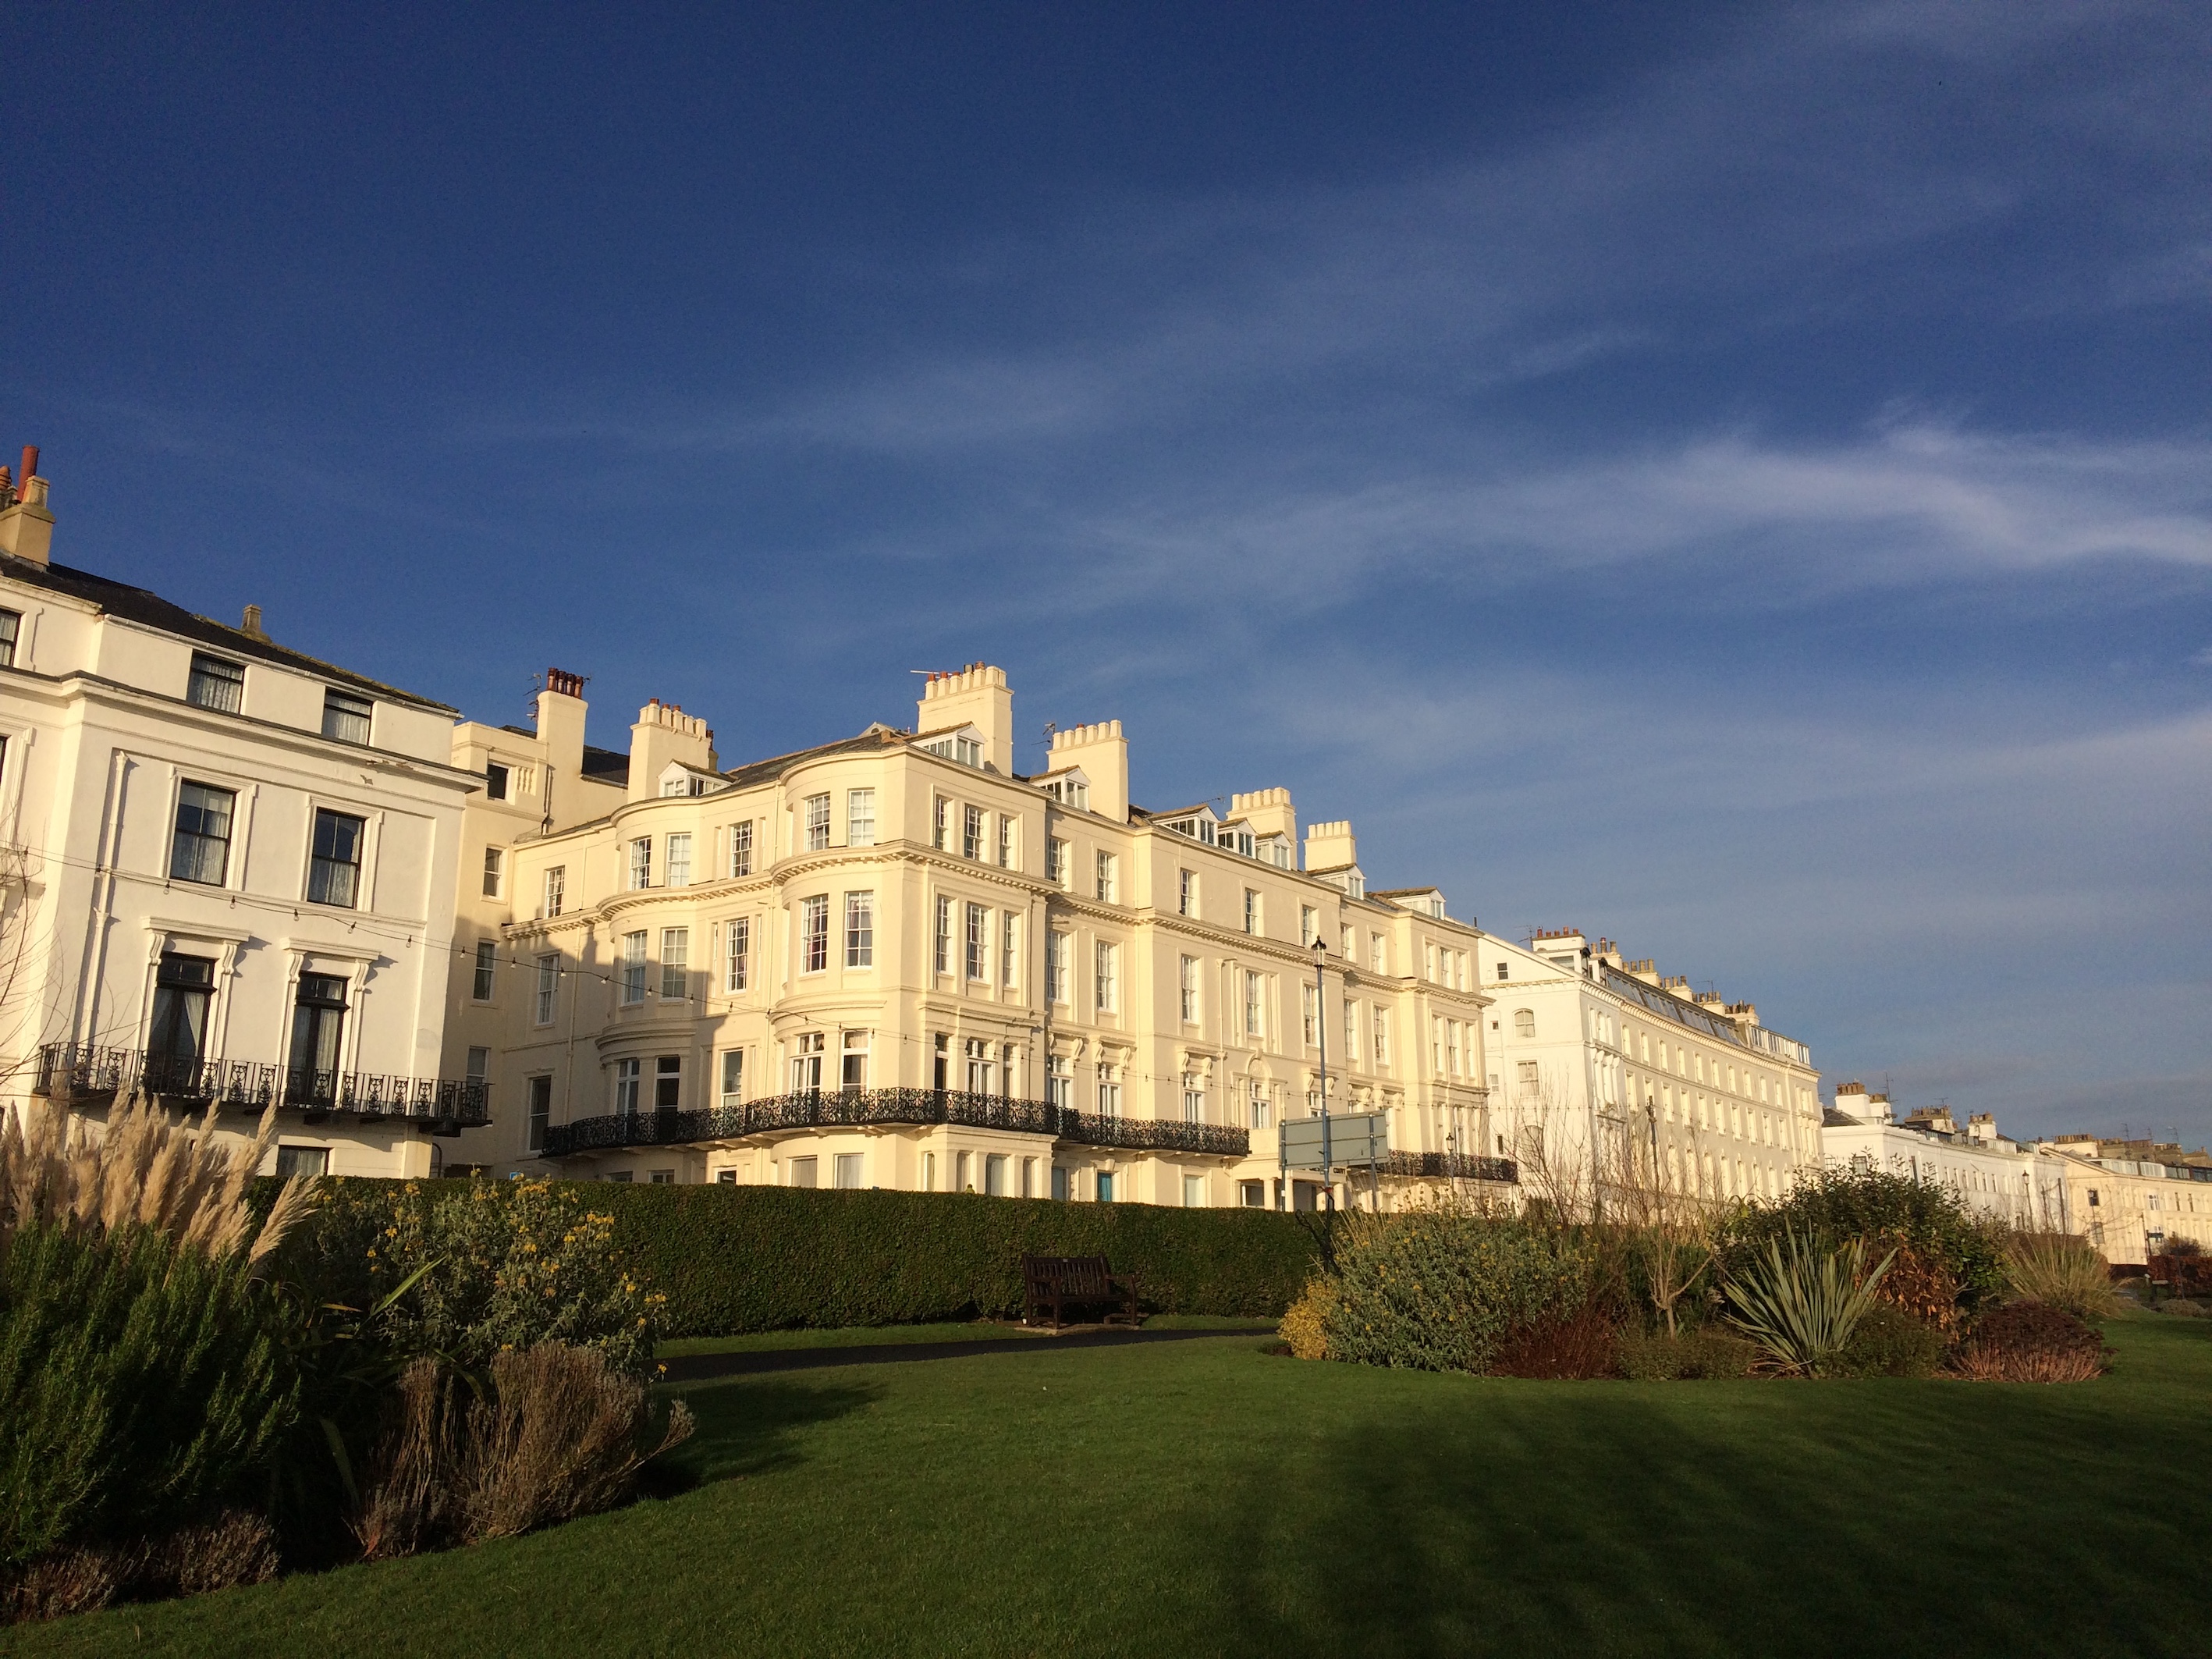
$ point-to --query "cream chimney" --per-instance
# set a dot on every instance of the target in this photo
(27, 524)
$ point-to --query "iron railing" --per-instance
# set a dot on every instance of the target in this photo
(73, 1071)
(1455, 1166)
(840, 1108)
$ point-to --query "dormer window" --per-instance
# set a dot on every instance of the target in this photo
(215, 684)
(1070, 789)
(346, 717)
(964, 748)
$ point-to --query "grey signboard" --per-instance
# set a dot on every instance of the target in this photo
(1360, 1139)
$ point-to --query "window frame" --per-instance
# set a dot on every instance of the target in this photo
(339, 707)
(737, 955)
(208, 669)
(814, 933)
(201, 837)
(676, 942)
(318, 863)
(860, 817)
(860, 928)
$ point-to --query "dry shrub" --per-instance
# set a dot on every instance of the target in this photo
(561, 1437)
(2029, 1343)
(1573, 1346)
(1305, 1327)
(74, 1581)
(1918, 1284)
(2186, 1309)
(560, 1433)
(407, 1497)
(235, 1548)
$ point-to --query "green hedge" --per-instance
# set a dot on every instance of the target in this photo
(737, 1259)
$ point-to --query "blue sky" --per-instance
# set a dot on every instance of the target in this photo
(1739, 483)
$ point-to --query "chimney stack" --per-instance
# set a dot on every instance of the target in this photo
(252, 623)
(27, 524)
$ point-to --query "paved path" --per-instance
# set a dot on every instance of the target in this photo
(697, 1367)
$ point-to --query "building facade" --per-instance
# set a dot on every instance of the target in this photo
(2132, 1200)
(894, 961)
(230, 870)
(1992, 1176)
(1603, 1072)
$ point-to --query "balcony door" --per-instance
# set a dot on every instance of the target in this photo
(183, 988)
(318, 1023)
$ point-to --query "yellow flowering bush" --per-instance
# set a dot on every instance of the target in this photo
(510, 1264)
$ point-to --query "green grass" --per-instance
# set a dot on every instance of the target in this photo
(1204, 1497)
(863, 1336)
(851, 1336)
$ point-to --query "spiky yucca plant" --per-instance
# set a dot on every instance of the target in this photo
(1801, 1303)
(142, 1170)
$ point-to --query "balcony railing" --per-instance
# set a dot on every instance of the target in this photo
(1456, 1166)
(841, 1109)
(70, 1071)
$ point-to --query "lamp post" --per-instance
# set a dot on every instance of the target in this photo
(1321, 1048)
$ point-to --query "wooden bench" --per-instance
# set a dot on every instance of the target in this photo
(1060, 1282)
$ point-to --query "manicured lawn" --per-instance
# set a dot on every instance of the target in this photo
(1204, 1497)
(866, 1336)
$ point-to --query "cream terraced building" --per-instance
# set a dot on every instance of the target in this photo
(226, 872)
(892, 960)
(1603, 1072)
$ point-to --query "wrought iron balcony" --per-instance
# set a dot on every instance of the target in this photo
(77, 1072)
(841, 1108)
(1456, 1166)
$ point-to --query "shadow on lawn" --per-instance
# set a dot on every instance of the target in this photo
(1754, 1518)
(748, 1428)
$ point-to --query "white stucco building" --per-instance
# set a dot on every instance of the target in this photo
(1992, 1175)
(1602, 1069)
(229, 869)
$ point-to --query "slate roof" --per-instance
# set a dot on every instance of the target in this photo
(150, 610)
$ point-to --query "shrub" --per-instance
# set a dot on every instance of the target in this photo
(1693, 1355)
(496, 1267)
(736, 1259)
(560, 1433)
(140, 1385)
(235, 1548)
(1886, 1211)
(561, 1436)
(2181, 1270)
(1441, 1290)
(2060, 1271)
(1800, 1302)
(1572, 1344)
(1305, 1327)
(1918, 1286)
(2029, 1343)
(2185, 1306)
(1889, 1341)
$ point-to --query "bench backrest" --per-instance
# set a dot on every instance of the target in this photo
(1068, 1275)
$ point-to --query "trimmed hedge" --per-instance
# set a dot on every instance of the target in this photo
(737, 1259)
